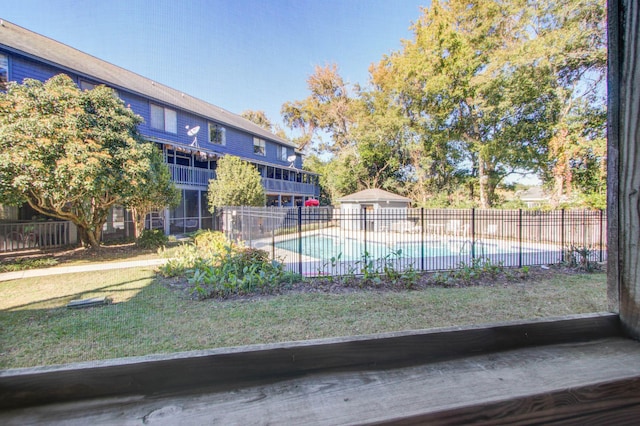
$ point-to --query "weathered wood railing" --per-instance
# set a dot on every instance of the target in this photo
(15, 236)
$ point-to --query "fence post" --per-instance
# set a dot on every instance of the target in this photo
(364, 215)
(562, 242)
(473, 234)
(422, 227)
(300, 240)
(519, 238)
(600, 238)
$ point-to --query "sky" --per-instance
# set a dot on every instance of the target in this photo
(236, 54)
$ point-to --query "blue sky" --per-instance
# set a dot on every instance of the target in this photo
(236, 54)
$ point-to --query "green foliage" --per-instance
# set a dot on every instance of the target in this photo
(216, 267)
(180, 259)
(259, 118)
(155, 191)
(214, 242)
(152, 239)
(483, 90)
(21, 264)
(466, 273)
(70, 154)
(579, 257)
(238, 183)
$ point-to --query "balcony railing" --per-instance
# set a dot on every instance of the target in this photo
(23, 235)
(277, 185)
(191, 175)
(195, 176)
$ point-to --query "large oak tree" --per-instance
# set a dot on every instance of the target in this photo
(71, 154)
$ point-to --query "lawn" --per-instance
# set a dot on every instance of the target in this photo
(148, 316)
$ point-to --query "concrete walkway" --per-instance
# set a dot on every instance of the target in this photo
(57, 270)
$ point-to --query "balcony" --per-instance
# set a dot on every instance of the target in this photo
(289, 187)
(186, 175)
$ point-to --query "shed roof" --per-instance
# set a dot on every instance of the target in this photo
(373, 195)
(20, 40)
(535, 193)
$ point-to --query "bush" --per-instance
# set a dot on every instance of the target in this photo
(21, 264)
(239, 272)
(216, 267)
(152, 239)
(212, 241)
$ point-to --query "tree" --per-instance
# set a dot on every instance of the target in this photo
(327, 108)
(237, 183)
(70, 154)
(259, 118)
(156, 191)
(571, 43)
(463, 94)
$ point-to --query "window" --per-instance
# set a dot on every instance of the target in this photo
(85, 85)
(259, 146)
(164, 119)
(4, 70)
(282, 153)
(217, 134)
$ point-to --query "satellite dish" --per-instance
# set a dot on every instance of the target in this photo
(193, 132)
(291, 158)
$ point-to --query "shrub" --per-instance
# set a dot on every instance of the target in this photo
(216, 267)
(579, 257)
(152, 239)
(239, 272)
(21, 264)
(211, 241)
(183, 258)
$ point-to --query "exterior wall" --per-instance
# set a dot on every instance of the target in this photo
(237, 142)
(188, 178)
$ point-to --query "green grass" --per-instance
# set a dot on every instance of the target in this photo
(147, 317)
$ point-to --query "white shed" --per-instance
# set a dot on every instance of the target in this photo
(382, 210)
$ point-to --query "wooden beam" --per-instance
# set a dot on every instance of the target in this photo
(596, 382)
(624, 162)
(232, 368)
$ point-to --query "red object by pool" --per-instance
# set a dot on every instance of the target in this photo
(311, 203)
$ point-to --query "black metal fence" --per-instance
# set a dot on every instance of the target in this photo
(327, 241)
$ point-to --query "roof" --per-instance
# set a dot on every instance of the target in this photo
(535, 193)
(373, 195)
(17, 39)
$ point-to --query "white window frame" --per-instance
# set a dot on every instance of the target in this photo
(221, 133)
(283, 153)
(259, 146)
(169, 119)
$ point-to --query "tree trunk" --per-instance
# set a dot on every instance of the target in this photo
(90, 239)
(139, 216)
(483, 178)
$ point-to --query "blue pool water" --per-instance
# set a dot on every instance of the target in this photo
(325, 248)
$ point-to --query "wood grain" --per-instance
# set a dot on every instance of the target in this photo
(624, 174)
(589, 383)
(232, 368)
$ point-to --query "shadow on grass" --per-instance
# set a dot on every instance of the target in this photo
(94, 292)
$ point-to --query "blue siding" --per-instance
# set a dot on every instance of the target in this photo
(238, 142)
(21, 68)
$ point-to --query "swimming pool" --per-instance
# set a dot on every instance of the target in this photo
(325, 248)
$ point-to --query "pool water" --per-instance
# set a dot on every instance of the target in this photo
(326, 248)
